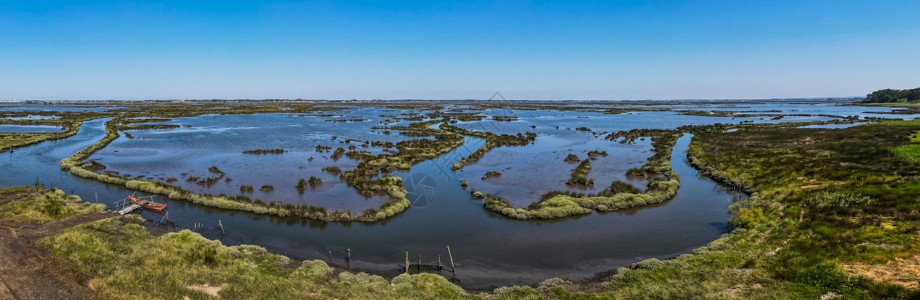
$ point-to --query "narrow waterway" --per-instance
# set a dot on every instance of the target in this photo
(489, 250)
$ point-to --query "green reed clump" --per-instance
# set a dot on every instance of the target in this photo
(332, 170)
(301, 185)
(491, 174)
(572, 158)
(264, 151)
(337, 153)
(597, 153)
(580, 174)
(314, 181)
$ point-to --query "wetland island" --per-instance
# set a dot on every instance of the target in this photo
(533, 198)
(459, 150)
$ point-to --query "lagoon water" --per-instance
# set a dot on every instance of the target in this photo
(488, 249)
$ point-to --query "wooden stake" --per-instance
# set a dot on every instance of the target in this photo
(419, 266)
(407, 262)
(453, 269)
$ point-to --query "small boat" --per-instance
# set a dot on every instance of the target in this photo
(147, 203)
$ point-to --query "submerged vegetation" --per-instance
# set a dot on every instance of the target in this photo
(264, 151)
(572, 158)
(491, 174)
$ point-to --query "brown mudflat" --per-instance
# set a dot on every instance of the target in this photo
(31, 272)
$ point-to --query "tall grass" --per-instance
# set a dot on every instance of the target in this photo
(126, 262)
(38, 205)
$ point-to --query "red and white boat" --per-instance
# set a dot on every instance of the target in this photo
(147, 203)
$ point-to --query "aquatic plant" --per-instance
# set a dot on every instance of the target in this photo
(580, 174)
(314, 181)
(596, 153)
(264, 151)
(332, 169)
(572, 158)
(338, 153)
(491, 174)
(216, 170)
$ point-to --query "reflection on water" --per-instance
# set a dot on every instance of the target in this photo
(488, 249)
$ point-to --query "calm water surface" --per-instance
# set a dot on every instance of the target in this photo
(488, 249)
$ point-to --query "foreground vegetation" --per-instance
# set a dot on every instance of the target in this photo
(832, 210)
(126, 262)
(37, 205)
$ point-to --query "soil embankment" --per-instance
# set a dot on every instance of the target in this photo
(30, 272)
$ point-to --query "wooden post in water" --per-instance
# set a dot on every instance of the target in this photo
(348, 258)
(453, 269)
(330, 257)
(419, 266)
(439, 263)
(165, 217)
(407, 262)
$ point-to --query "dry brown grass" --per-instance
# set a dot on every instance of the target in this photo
(901, 271)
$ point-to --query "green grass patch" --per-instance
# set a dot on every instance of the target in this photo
(126, 262)
(37, 205)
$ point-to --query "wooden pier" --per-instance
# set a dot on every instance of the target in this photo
(423, 266)
(128, 209)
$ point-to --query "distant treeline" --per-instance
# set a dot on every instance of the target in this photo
(891, 95)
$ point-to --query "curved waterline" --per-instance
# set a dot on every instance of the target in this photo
(489, 250)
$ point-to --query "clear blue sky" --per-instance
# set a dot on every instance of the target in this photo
(196, 49)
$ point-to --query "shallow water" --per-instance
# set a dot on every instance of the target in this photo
(488, 249)
(219, 140)
(29, 128)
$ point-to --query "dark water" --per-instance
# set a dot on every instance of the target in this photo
(488, 249)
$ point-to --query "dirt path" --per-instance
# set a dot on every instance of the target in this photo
(30, 272)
